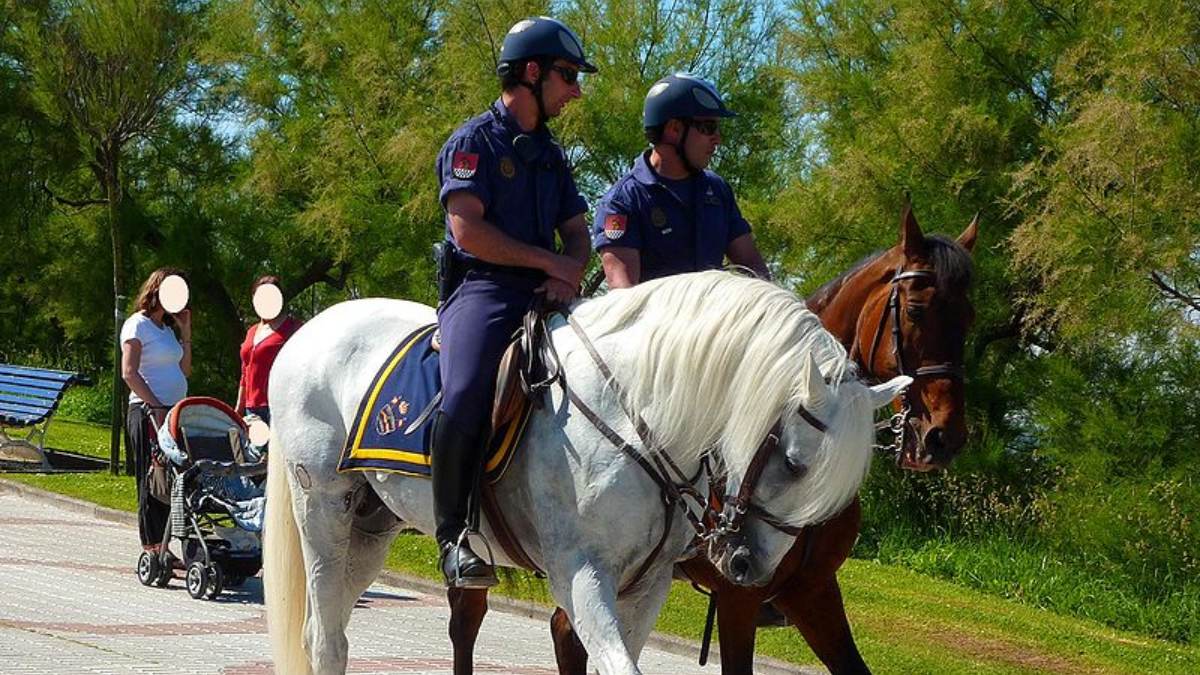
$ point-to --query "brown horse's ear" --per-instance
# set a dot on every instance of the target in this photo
(912, 241)
(967, 238)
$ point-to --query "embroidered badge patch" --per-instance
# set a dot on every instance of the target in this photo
(658, 217)
(385, 420)
(710, 197)
(507, 168)
(614, 226)
(464, 164)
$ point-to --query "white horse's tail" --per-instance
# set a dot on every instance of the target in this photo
(283, 570)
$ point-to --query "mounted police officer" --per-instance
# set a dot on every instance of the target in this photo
(669, 214)
(507, 189)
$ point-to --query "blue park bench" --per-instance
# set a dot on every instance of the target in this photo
(28, 399)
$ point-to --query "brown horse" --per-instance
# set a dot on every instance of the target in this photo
(905, 309)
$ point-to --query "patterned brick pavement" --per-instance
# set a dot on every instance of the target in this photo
(70, 603)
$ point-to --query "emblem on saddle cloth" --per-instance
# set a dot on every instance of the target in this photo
(393, 427)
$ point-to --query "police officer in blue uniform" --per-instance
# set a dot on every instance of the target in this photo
(507, 189)
(669, 214)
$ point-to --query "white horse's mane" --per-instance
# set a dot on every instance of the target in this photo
(721, 358)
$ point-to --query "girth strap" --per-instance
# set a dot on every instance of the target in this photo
(502, 531)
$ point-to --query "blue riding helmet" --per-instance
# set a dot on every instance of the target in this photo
(682, 96)
(541, 36)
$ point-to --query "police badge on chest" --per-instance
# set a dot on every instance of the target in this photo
(658, 218)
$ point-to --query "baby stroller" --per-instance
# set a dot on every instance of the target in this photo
(216, 497)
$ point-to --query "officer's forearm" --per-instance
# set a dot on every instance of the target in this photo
(577, 243)
(488, 243)
(742, 251)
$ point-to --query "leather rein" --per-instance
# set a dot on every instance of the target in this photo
(899, 424)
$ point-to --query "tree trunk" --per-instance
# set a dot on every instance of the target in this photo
(112, 192)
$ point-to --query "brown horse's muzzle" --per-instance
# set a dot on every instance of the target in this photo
(929, 446)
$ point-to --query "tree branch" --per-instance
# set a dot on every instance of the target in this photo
(1171, 291)
(76, 203)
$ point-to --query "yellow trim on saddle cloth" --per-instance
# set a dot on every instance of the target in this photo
(498, 458)
(364, 415)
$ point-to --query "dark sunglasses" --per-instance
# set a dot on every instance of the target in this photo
(706, 127)
(569, 75)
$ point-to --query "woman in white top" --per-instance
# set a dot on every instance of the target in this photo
(155, 364)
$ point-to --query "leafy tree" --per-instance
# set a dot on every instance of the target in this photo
(108, 70)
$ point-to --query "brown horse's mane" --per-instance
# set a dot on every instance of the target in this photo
(951, 262)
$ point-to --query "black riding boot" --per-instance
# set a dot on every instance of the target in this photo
(456, 463)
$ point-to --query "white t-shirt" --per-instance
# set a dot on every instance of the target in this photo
(161, 353)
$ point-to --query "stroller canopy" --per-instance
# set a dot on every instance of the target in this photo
(200, 427)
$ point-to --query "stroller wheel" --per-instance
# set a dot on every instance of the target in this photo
(197, 580)
(216, 581)
(148, 569)
(165, 575)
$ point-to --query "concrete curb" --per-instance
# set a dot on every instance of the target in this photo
(667, 643)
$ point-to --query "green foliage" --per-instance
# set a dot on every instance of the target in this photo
(1112, 193)
(90, 404)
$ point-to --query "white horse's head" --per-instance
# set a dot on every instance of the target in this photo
(713, 361)
(808, 476)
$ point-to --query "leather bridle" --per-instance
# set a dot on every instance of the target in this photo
(712, 521)
(899, 423)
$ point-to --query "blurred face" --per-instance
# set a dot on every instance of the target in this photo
(703, 138)
(560, 86)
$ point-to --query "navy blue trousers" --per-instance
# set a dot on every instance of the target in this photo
(477, 323)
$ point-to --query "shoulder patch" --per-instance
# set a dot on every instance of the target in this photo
(464, 164)
(614, 225)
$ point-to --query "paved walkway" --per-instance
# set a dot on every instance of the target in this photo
(70, 603)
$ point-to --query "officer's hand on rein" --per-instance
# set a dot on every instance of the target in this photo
(565, 269)
(558, 291)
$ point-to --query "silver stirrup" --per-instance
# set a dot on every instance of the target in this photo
(459, 581)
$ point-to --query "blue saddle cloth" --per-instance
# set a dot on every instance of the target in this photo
(383, 437)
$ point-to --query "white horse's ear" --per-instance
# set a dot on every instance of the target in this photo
(818, 391)
(882, 394)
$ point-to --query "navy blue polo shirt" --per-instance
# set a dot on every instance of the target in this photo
(525, 184)
(676, 226)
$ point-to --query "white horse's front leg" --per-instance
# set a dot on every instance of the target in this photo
(639, 607)
(589, 596)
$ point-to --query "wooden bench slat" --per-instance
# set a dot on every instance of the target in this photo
(35, 415)
(34, 404)
(31, 392)
(9, 407)
(7, 381)
(38, 373)
(21, 419)
(29, 396)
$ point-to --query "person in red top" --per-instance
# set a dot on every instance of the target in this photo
(261, 346)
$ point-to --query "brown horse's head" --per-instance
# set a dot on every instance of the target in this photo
(918, 290)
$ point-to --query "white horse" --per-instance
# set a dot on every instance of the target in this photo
(710, 360)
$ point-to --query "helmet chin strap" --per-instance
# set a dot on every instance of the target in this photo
(536, 89)
(679, 150)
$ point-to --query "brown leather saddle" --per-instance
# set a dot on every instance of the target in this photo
(529, 367)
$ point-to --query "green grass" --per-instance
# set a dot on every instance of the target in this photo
(85, 438)
(903, 621)
(114, 492)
